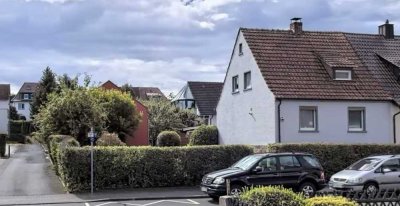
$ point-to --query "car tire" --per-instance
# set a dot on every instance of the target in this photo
(308, 189)
(370, 189)
(215, 198)
(236, 190)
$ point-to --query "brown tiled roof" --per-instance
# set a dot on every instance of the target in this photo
(4, 92)
(27, 87)
(147, 92)
(382, 57)
(292, 70)
(206, 95)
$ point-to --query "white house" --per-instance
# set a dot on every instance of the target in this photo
(295, 86)
(23, 99)
(200, 96)
(4, 107)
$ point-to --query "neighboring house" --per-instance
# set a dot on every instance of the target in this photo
(4, 107)
(23, 99)
(141, 135)
(146, 93)
(202, 97)
(295, 86)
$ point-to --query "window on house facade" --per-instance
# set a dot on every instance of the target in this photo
(343, 74)
(27, 96)
(240, 49)
(356, 119)
(21, 106)
(235, 84)
(308, 119)
(247, 80)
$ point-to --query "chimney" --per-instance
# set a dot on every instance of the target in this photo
(296, 26)
(387, 30)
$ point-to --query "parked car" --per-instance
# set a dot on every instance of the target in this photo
(300, 171)
(369, 174)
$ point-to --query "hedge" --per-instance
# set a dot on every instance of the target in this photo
(334, 157)
(56, 144)
(330, 201)
(168, 139)
(2, 145)
(141, 167)
(271, 196)
(21, 127)
(204, 135)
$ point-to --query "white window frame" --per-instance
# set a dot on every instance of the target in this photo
(349, 72)
(315, 119)
(235, 79)
(25, 96)
(240, 49)
(246, 87)
(363, 117)
(21, 106)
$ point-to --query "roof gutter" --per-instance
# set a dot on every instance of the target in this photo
(279, 120)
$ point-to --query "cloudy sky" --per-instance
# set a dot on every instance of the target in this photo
(161, 43)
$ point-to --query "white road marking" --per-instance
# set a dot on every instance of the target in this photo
(87, 204)
(189, 201)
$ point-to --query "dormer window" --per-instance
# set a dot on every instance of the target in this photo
(342, 74)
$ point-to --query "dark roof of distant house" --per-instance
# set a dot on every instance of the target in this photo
(146, 93)
(206, 95)
(4, 92)
(27, 87)
(293, 65)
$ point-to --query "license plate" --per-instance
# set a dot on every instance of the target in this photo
(204, 189)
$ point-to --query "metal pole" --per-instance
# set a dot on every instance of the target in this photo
(9, 151)
(91, 166)
(228, 187)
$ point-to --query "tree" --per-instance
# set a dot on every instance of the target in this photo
(127, 88)
(121, 114)
(13, 115)
(188, 117)
(47, 85)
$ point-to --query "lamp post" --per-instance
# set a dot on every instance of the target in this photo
(92, 137)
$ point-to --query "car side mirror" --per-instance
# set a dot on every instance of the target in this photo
(258, 169)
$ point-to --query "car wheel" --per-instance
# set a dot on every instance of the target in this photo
(215, 198)
(236, 190)
(370, 189)
(308, 189)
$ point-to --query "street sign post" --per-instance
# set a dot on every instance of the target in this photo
(92, 137)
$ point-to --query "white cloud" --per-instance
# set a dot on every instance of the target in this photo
(219, 16)
(207, 25)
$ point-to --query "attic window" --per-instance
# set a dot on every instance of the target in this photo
(342, 74)
(240, 49)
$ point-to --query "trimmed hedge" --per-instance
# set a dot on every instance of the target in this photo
(204, 135)
(271, 196)
(334, 157)
(21, 127)
(330, 201)
(56, 144)
(2, 145)
(140, 167)
(168, 139)
(20, 138)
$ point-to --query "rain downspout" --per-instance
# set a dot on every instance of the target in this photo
(394, 127)
(279, 120)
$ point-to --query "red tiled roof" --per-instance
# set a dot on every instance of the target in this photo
(292, 69)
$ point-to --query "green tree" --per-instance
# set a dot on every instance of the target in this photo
(122, 116)
(13, 115)
(47, 85)
(127, 88)
(188, 117)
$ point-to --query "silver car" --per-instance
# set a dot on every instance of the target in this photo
(369, 174)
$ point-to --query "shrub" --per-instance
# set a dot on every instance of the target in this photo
(141, 167)
(2, 145)
(21, 127)
(57, 142)
(20, 138)
(330, 201)
(168, 138)
(204, 135)
(272, 196)
(329, 155)
(109, 139)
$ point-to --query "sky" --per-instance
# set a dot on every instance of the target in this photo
(160, 43)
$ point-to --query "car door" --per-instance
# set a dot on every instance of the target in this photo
(290, 170)
(267, 175)
(390, 179)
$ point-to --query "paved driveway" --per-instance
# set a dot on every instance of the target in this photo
(28, 172)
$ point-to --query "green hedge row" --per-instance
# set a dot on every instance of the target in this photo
(21, 127)
(56, 144)
(2, 145)
(140, 167)
(334, 157)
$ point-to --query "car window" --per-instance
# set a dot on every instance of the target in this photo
(392, 164)
(312, 161)
(365, 164)
(268, 164)
(289, 162)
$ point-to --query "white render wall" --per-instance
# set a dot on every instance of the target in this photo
(333, 120)
(235, 124)
(4, 117)
(26, 112)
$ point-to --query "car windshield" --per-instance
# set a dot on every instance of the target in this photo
(247, 162)
(365, 164)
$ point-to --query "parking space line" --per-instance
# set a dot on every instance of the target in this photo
(188, 201)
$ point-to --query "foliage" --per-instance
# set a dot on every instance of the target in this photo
(328, 153)
(20, 138)
(168, 138)
(140, 167)
(204, 135)
(273, 196)
(58, 142)
(13, 114)
(121, 114)
(127, 88)
(188, 117)
(330, 201)
(47, 85)
(109, 139)
(2, 145)
(21, 127)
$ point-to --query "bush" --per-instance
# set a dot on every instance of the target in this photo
(109, 139)
(141, 167)
(331, 156)
(272, 196)
(2, 145)
(204, 135)
(20, 138)
(168, 139)
(58, 142)
(329, 201)
(21, 127)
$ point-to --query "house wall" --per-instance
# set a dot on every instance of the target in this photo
(4, 117)
(395, 109)
(141, 135)
(26, 112)
(235, 123)
(332, 121)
